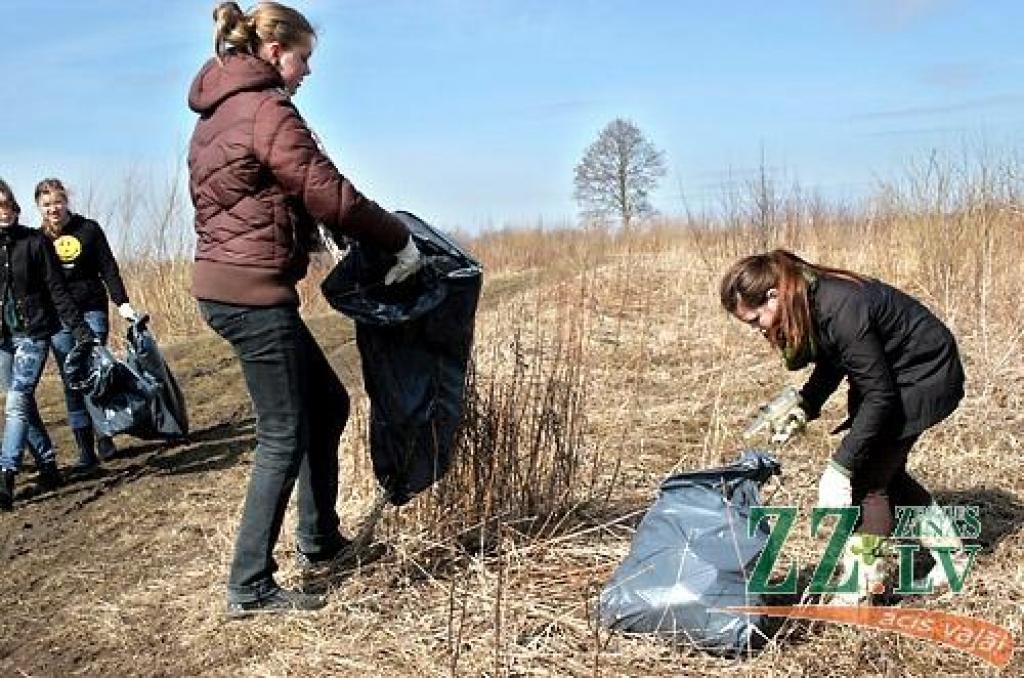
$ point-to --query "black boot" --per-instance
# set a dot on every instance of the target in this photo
(87, 461)
(105, 447)
(50, 477)
(6, 489)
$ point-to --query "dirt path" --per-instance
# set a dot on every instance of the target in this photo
(93, 572)
(70, 556)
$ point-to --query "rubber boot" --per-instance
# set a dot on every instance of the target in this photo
(50, 477)
(865, 553)
(105, 447)
(87, 461)
(6, 489)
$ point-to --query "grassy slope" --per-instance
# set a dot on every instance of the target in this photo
(123, 575)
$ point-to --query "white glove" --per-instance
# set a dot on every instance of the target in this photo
(792, 422)
(834, 488)
(126, 311)
(409, 261)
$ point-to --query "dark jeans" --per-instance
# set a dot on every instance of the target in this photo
(62, 343)
(301, 408)
(882, 483)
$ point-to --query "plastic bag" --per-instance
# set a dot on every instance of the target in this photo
(137, 395)
(691, 557)
(414, 340)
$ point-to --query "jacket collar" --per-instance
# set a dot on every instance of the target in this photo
(234, 73)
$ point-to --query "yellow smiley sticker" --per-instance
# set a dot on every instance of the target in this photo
(68, 248)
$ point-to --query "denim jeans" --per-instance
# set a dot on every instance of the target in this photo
(21, 364)
(62, 343)
(301, 409)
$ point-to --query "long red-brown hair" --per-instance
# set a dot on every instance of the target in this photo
(750, 279)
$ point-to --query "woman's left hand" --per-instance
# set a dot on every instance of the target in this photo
(834, 488)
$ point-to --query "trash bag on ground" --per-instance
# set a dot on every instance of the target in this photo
(414, 341)
(691, 557)
(137, 395)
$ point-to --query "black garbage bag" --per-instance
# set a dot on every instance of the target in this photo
(414, 340)
(168, 414)
(691, 557)
(137, 395)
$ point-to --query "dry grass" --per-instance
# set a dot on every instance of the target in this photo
(602, 364)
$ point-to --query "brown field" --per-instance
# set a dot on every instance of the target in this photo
(603, 363)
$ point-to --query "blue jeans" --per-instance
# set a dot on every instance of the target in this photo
(63, 342)
(301, 408)
(21, 364)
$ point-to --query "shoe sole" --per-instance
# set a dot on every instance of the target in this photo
(262, 611)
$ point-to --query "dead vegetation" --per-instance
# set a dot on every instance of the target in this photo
(602, 364)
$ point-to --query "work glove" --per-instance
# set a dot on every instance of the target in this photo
(790, 424)
(783, 417)
(834, 488)
(409, 261)
(127, 312)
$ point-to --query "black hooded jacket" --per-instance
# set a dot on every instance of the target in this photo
(902, 363)
(31, 280)
(88, 264)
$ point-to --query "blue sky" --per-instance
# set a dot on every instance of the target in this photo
(474, 113)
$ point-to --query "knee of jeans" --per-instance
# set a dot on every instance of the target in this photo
(17, 404)
(281, 435)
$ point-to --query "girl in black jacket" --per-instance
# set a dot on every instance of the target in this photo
(904, 373)
(90, 271)
(34, 302)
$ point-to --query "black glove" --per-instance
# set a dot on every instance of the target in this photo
(88, 366)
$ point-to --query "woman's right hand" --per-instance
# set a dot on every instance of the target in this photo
(409, 261)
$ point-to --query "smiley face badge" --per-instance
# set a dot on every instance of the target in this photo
(68, 249)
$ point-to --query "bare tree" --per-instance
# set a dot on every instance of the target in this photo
(618, 173)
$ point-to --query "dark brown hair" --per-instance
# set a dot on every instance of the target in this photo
(750, 278)
(7, 195)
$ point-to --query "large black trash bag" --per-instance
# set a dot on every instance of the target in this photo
(137, 395)
(691, 557)
(414, 340)
(168, 413)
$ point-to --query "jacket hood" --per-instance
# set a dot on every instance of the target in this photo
(217, 81)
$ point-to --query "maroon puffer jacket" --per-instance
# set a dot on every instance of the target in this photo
(259, 185)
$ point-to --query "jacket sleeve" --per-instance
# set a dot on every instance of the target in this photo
(283, 143)
(822, 383)
(862, 356)
(108, 268)
(69, 312)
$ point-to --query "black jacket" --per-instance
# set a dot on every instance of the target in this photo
(89, 264)
(901, 361)
(30, 271)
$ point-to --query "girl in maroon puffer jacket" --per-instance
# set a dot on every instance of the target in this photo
(260, 185)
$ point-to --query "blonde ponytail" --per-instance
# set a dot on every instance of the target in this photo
(244, 32)
(232, 30)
